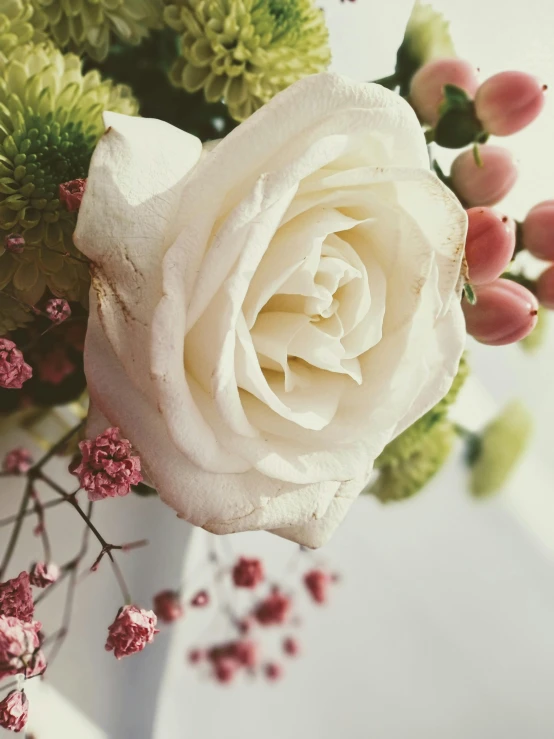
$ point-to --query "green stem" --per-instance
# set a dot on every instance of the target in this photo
(391, 82)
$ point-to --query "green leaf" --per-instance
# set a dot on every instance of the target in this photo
(469, 292)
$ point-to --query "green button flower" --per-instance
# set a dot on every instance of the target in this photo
(246, 51)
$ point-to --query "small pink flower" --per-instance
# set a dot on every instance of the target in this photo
(19, 644)
(14, 710)
(201, 599)
(58, 310)
(245, 653)
(224, 670)
(16, 598)
(316, 582)
(247, 573)
(195, 656)
(107, 468)
(131, 631)
(14, 243)
(273, 610)
(168, 606)
(55, 365)
(291, 647)
(43, 574)
(14, 371)
(71, 193)
(273, 671)
(18, 461)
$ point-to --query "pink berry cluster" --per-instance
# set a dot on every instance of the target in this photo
(446, 93)
(274, 608)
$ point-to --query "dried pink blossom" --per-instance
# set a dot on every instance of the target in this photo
(14, 371)
(18, 644)
(71, 193)
(291, 646)
(273, 610)
(107, 466)
(16, 598)
(43, 574)
(247, 573)
(317, 582)
(168, 606)
(273, 671)
(14, 243)
(58, 310)
(18, 461)
(14, 710)
(201, 599)
(55, 365)
(131, 631)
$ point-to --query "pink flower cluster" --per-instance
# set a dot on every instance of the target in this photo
(18, 461)
(131, 631)
(44, 574)
(168, 606)
(247, 573)
(273, 610)
(107, 467)
(16, 598)
(14, 711)
(19, 647)
(317, 583)
(14, 371)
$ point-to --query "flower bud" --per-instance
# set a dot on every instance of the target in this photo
(538, 230)
(58, 310)
(273, 671)
(168, 606)
(427, 86)
(509, 101)
(545, 288)
(490, 244)
(505, 312)
(485, 184)
(71, 194)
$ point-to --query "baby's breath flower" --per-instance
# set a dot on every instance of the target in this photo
(500, 448)
(50, 120)
(91, 25)
(18, 26)
(246, 51)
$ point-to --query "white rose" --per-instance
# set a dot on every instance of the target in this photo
(267, 315)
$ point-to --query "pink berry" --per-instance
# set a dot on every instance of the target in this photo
(427, 86)
(485, 184)
(538, 230)
(505, 312)
(545, 288)
(509, 101)
(490, 244)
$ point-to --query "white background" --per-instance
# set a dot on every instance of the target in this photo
(443, 627)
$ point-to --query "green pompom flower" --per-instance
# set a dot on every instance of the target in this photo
(499, 449)
(246, 51)
(50, 121)
(412, 460)
(91, 25)
(427, 37)
(18, 26)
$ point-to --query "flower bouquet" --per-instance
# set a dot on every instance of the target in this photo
(242, 283)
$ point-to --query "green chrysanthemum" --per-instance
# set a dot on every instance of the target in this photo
(246, 51)
(50, 120)
(91, 25)
(499, 449)
(427, 37)
(17, 26)
(414, 459)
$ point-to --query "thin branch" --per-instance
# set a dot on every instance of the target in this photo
(16, 530)
(30, 512)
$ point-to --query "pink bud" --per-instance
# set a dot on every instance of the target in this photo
(427, 86)
(538, 230)
(485, 184)
(168, 606)
(291, 646)
(490, 244)
(509, 101)
(14, 243)
(505, 312)
(545, 288)
(273, 671)
(71, 193)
